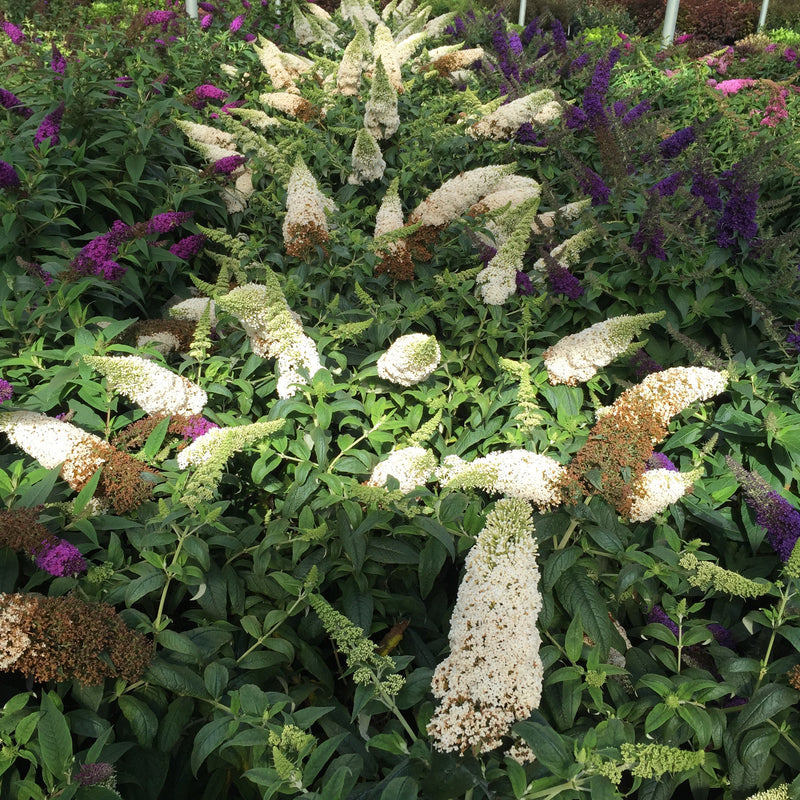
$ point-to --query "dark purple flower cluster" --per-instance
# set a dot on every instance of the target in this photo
(524, 284)
(188, 246)
(777, 515)
(207, 93)
(506, 56)
(97, 774)
(706, 186)
(531, 29)
(657, 614)
(649, 239)
(790, 55)
(660, 461)
(14, 33)
(486, 253)
(36, 271)
(97, 257)
(236, 23)
(576, 65)
(594, 96)
(739, 213)
(674, 145)
(559, 37)
(6, 390)
(166, 222)
(228, 164)
(593, 185)
(61, 559)
(162, 18)
(57, 61)
(793, 339)
(562, 281)
(643, 365)
(668, 186)
(527, 134)
(722, 635)
(10, 101)
(123, 82)
(197, 427)
(636, 112)
(8, 176)
(50, 127)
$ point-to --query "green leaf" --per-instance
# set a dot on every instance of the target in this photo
(318, 759)
(580, 596)
(431, 560)
(404, 788)
(209, 738)
(173, 723)
(573, 643)
(139, 587)
(550, 748)
(178, 643)
(557, 564)
(516, 775)
(55, 741)
(135, 165)
(38, 493)
(156, 439)
(215, 677)
(141, 718)
(765, 704)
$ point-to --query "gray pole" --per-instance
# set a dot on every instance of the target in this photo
(763, 17)
(522, 8)
(670, 18)
(191, 8)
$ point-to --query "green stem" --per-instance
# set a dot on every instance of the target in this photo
(360, 439)
(264, 636)
(484, 313)
(777, 622)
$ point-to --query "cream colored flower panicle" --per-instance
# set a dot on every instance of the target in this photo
(395, 256)
(538, 107)
(230, 440)
(150, 386)
(670, 391)
(500, 205)
(288, 103)
(205, 134)
(436, 26)
(775, 793)
(453, 60)
(52, 442)
(269, 54)
(359, 12)
(313, 25)
(273, 331)
(513, 473)
(383, 49)
(569, 212)
(390, 214)
(380, 115)
(569, 251)
(576, 358)
(411, 359)
(163, 341)
(493, 675)
(355, 58)
(193, 309)
(498, 280)
(657, 489)
(367, 159)
(306, 223)
(407, 47)
(456, 195)
(255, 117)
(411, 466)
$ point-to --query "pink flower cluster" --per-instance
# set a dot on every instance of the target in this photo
(776, 110)
(732, 86)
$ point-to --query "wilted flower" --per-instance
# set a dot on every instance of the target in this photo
(97, 774)
(411, 359)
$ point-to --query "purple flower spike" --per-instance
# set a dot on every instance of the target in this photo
(166, 222)
(197, 427)
(6, 390)
(61, 559)
(524, 284)
(657, 614)
(236, 23)
(722, 635)
(674, 145)
(562, 281)
(228, 164)
(660, 461)
(14, 33)
(793, 339)
(188, 246)
(159, 17)
(50, 127)
(780, 518)
(10, 101)
(593, 185)
(8, 176)
(668, 186)
(57, 61)
(207, 92)
(643, 365)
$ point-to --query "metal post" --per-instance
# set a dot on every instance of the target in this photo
(762, 19)
(191, 8)
(523, 4)
(670, 18)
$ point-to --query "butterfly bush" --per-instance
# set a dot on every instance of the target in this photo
(150, 386)
(410, 359)
(410, 466)
(493, 674)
